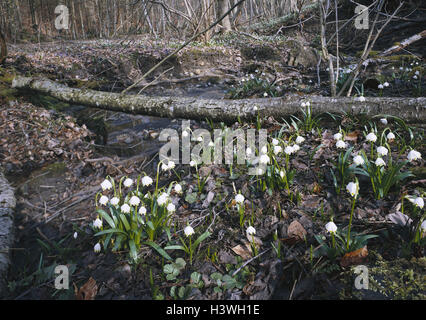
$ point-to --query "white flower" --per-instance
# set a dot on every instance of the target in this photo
(171, 208)
(390, 136)
(386, 84)
(239, 198)
(414, 155)
(415, 77)
(125, 208)
(97, 223)
(142, 210)
(340, 144)
(211, 144)
(255, 108)
(353, 188)
(178, 188)
(189, 231)
(379, 162)
(103, 200)
(380, 86)
(371, 137)
(382, 151)
(200, 139)
(275, 142)
(185, 133)
(303, 105)
(75, 235)
(300, 139)
(251, 231)
(289, 150)
(277, 149)
(97, 248)
(361, 99)
(248, 151)
(265, 94)
(106, 185)
(331, 227)
(165, 167)
(282, 174)
(162, 199)
(384, 121)
(308, 104)
(264, 159)
(338, 136)
(128, 182)
(418, 202)
(114, 201)
(134, 201)
(358, 160)
(171, 164)
(259, 171)
(417, 72)
(423, 226)
(192, 163)
(264, 149)
(146, 181)
(296, 148)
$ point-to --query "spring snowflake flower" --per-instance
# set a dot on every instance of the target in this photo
(380, 86)
(251, 231)
(331, 227)
(162, 199)
(128, 182)
(125, 208)
(75, 235)
(103, 200)
(189, 231)
(338, 136)
(277, 149)
(164, 167)
(264, 159)
(384, 121)
(418, 202)
(382, 151)
(415, 77)
(248, 151)
(300, 140)
(171, 164)
(282, 174)
(353, 188)
(97, 248)
(275, 142)
(200, 139)
(114, 201)
(185, 133)
(178, 188)
(417, 73)
(379, 162)
(192, 163)
(259, 171)
(386, 84)
(171, 208)
(296, 148)
(289, 150)
(265, 94)
(414, 155)
(106, 185)
(211, 144)
(97, 223)
(264, 149)
(371, 137)
(142, 210)
(303, 105)
(358, 160)
(390, 136)
(134, 201)
(146, 181)
(308, 104)
(239, 198)
(340, 144)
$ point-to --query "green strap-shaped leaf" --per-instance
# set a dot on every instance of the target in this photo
(106, 217)
(158, 249)
(125, 222)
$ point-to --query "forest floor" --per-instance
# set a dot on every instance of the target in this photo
(58, 155)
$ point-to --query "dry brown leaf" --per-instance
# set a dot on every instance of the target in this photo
(88, 291)
(352, 136)
(296, 230)
(354, 258)
(242, 251)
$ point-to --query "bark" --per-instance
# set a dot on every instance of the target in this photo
(3, 48)
(409, 109)
(404, 43)
(226, 22)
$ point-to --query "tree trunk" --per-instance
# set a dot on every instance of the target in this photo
(226, 22)
(409, 109)
(3, 48)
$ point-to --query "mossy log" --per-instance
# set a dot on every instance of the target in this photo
(410, 109)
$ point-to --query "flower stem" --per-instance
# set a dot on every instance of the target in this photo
(350, 223)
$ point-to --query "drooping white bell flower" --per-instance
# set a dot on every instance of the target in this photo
(239, 198)
(353, 188)
(114, 201)
(162, 199)
(379, 162)
(384, 121)
(134, 201)
(189, 231)
(331, 227)
(386, 84)
(417, 201)
(248, 151)
(97, 223)
(361, 99)
(390, 136)
(340, 144)
(380, 86)
(146, 181)
(275, 142)
(358, 160)
(300, 139)
(75, 235)
(289, 150)
(97, 248)
(264, 159)
(371, 137)
(103, 200)
(282, 174)
(382, 151)
(164, 167)
(171, 208)
(192, 163)
(251, 231)
(178, 188)
(338, 136)
(264, 150)
(414, 155)
(125, 208)
(277, 149)
(296, 148)
(106, 185)
(128, 182)
(142, 210)
(423, 226)
(171, 165)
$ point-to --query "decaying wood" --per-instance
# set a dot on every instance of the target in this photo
(410, 109)
(404, 43)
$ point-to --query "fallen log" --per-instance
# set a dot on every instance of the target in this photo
(410, 109)
(404, 43)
